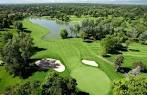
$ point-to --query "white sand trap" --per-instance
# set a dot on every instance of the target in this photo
(51, 63)
(59, 68)
(91, 63)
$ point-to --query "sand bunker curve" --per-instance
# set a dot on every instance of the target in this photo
(50, 63)
(89, 62)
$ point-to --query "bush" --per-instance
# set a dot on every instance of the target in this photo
(130, 86)
(64, 34)
(139, 63)
(112, 44)
(118, 62)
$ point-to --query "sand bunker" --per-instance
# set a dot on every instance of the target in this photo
(91, 63)
(50, 63)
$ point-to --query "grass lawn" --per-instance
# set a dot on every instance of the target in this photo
(6, 80)
(94, 80)
(136, 52)
(70, 52)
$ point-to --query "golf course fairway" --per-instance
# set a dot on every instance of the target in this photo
(70, 52)
(92, 80)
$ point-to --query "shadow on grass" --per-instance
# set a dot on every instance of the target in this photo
(134, 50)
(29, 71)
(33, 60)
(124, 70)
(82, 93)
(26, 30)
(106, 55)
(144, 71)
(37, 49)
(88, 41)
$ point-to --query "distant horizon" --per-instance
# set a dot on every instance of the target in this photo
(122, 2)
(76, 3)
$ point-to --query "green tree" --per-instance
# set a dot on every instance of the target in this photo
(112, 44)
(75, 29)
(26, 45)
(16, 54)
(57, 85)
(19, 26)
(138, 64)
(118, 62)
(64, 34)
(130, 86)
(5, 23)
(143, 38)
(6, 36)
(27, 88)
(11, 56)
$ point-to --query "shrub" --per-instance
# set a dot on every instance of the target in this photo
(139, 63)
(130, 86)
(64, 34)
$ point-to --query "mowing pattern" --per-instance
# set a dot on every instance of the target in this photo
(71, 51)
(92, 80)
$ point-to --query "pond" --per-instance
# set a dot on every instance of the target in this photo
(53, 26)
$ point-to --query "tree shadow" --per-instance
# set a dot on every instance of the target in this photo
(124, 70)
(26, 30)
(33, 60)
(115, 52)
(37, 49)
(106, 55)
(82, 93)
(29, 71)
(88, 41)
(144, 71)
(134, 50)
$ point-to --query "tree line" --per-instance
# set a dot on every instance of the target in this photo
(63, 11)
(52, 85)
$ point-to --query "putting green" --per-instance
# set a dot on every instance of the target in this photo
(92, 80)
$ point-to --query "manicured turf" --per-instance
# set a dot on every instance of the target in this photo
(71, 51)
(96, 81)
(92, 80)
(136, 52)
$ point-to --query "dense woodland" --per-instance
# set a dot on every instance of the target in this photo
(116, 26)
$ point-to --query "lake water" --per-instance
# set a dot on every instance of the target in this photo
(53, 26)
